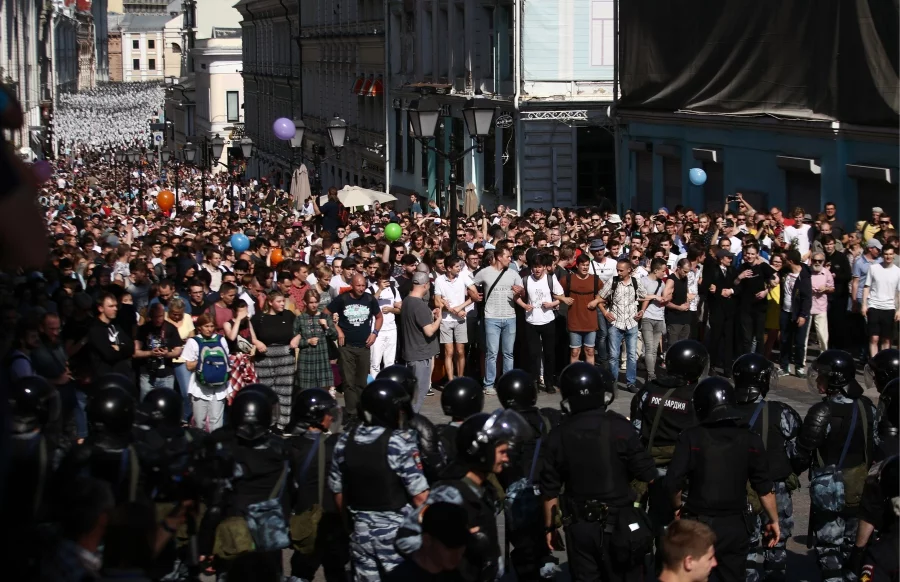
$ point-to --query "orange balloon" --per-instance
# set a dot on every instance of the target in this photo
(276, 257)
(166, 200)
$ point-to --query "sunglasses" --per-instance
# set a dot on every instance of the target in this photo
(818, 261)
(635, 257)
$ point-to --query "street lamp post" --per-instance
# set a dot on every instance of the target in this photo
(423, 120)
(209, 159)
(337, 136)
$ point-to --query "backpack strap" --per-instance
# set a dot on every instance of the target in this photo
(765, 427)
(278, 489)
(761, 408)
(497, 280)
(865, 427)
(658, 416)
(568, 289)
(850, 432)
(321, 467)
(42, 475)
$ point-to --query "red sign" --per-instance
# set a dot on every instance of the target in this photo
(82, 5)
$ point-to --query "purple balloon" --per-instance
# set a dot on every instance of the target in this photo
(284, 128)
(42, 170)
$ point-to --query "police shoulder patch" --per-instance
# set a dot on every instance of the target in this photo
(417, 459)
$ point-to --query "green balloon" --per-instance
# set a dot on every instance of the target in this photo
(392, 231)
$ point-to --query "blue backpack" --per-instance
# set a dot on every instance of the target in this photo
(212, 364)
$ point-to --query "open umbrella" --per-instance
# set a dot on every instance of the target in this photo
(470, 203)
(352, 196)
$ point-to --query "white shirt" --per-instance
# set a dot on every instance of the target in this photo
(191, 353)
(693, 280)
(605, 270)
(386, 298)
(539, 292)
(883, 284)
(454, 293)
(792, 233)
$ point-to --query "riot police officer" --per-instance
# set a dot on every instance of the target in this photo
(483, 442)
(662, 410)
(888, 422)
(882, 368)
(719, 456)
(317, 534)
(34, 404)
(108, 453)
(461, 398)
(836, 437)
(594, 454)
(376, 473)
(517, 391)
(426, 437)
(880, 508)
(778, 424)
(262, 473)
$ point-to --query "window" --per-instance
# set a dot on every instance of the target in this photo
(151, 64)
(135, 64)
(136, 44)
(231, 102)
(643, 162)
(602, 33)
(151, 44)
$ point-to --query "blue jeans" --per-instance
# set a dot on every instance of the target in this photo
(793, 340)
(615, 346)
(148, 383)
(183, 377)
(601, 348)
(499, 334)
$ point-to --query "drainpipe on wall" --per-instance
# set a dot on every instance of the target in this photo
(517, 79)
(388, 108)
(614, 110)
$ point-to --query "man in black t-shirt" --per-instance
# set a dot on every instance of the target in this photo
(156, 345)
(755, 277)
(356, 311)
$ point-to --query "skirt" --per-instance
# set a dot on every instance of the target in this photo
(275, 368)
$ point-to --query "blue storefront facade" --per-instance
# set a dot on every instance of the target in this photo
(772, 162)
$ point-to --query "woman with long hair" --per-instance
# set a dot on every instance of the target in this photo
(275, 362)
(773, 308)
(312, 334)
(185, 326)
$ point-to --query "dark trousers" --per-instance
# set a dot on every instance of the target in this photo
(529, 554)
(332, 552)
(753, 327)
(590, 559)
(793, 340)
(732, 546)
(541, 343)
(721, 337)
(355, 370)
(837, 322)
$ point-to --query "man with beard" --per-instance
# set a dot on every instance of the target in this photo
(822, 285)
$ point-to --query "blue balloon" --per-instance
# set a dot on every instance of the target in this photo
(697, 176)
(240, 242)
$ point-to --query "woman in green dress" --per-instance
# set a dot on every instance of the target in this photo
(312, 333)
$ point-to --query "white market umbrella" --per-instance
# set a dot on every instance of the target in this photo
(352, 196)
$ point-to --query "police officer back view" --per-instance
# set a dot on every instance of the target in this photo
(835, 443)
(461, 398)
(316, 530)
(888, 421)
(517, 391)
(718, 457)
(662, 410)
(376, 473)
(483, 443)
(594, 454)
(880, 508)
(882, 369)
(778, 424)
(426, 437)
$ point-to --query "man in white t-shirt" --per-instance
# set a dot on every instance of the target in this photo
(384, 350)
(881, 301)
(450, 295)
(605, 268)
(798, 234)
(540, 302)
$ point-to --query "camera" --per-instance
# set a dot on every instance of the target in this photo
(732, 199)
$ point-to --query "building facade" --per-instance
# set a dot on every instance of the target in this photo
(218, 78)
(66, 63)
(114, 49)
(86, 39)
(25, 42)
(142, 46)
(101, 42)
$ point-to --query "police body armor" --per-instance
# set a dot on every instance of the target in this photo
(677, 415)
(447, 435)
(721, 475)
(481, 562)
(369, 482)
(110, 459)
(841, 415)
(779, 464)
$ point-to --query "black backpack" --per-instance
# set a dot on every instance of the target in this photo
(615, 283)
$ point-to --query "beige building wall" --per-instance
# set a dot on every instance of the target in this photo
(115, 58)
(116, 6)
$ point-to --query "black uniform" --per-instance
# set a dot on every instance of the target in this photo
(433, 457)
(330, 547)
(594, 454)
(718, 458)
(675, 416)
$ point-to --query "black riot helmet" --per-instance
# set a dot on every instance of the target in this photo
(586, 387)
(312, 405)
(833, 371)
(687, 359)
(111, 411)
(882, 368)
(251, 415)
(714, 400)
(114, 380)
(33, 404)
(462, 397)
(270, 395)
(385, 403)
(754, 376)
(479, 436)
(401, 375)
(890, 404)
(516, 389)
(163, 407)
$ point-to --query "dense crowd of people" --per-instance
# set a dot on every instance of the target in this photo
(245, 360)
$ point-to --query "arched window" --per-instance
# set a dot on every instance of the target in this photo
(176, 48)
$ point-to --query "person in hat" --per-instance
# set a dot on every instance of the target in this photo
(419, 331)
(869, 228)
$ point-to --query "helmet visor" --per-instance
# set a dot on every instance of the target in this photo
(506, 425)
(816, 383)
(869, 375)
(773, 380)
